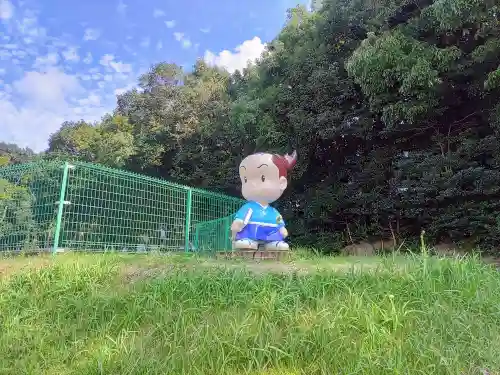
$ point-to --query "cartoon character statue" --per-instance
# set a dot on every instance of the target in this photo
(263, 179)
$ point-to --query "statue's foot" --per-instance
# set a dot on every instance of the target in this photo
(245, 244)
(277, 245)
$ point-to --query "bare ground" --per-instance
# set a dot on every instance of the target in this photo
(138, 271)
(10, 266)
(140, 267)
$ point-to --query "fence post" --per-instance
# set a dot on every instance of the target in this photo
(60, 208)
(196, 244)
(229, 240)
(189, 203)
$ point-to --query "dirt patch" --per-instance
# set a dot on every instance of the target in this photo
(10, 266)
(264, 267)
(134, 273)
(368, 249)
(494, 261)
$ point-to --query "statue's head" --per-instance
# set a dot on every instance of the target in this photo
(264, 176)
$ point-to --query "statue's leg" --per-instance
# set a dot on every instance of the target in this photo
(246, 239)
(277, 245)
(246, 243)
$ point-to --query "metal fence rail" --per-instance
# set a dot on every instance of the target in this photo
(88, 207)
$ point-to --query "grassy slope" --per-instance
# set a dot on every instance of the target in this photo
(109, 314)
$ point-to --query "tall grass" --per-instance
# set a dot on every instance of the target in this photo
(82, 318)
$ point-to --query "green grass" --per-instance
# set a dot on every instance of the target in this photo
(114, 314)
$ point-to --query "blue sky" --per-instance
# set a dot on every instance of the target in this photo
(67, 60)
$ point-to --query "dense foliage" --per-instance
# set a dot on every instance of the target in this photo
(13, 154)
(392, 106)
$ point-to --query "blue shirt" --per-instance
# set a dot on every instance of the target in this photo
(262, 216)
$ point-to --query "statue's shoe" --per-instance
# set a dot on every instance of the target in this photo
(277, 245)
(246, 244)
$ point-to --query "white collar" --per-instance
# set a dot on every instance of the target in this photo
(264, 207)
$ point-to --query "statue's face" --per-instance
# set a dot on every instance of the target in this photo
(260, 180)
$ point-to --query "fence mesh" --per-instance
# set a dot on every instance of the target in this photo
(105, 209)
(213, 235)
(29, 195)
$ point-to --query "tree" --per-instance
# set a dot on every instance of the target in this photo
(12, 154)
(427, 73)
(392, 106)
(108, 143)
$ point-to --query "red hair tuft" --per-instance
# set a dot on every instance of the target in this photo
(285, 163)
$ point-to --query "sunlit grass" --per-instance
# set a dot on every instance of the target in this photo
(184, 315)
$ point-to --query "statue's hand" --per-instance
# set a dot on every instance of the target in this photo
(284, 232)
(236, 227)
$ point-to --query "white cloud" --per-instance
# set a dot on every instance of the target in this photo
(71, 54)
(88, 58)
(158, 13)
(6, 10)
(37, 92)
(120, 67)
(170, 24)
(121, 7)
(130, 50)
(185, 42)
(145, 42)
(123, 90)
(47, 89)
(205, 30)
(245, 53)
(91, 34)
(47, 100)
(108, 61)
(26, 25)
(91, 100)
(48, 60)
(5, 55)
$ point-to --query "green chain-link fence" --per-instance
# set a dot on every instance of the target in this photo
(213, 235)
(81, 206)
